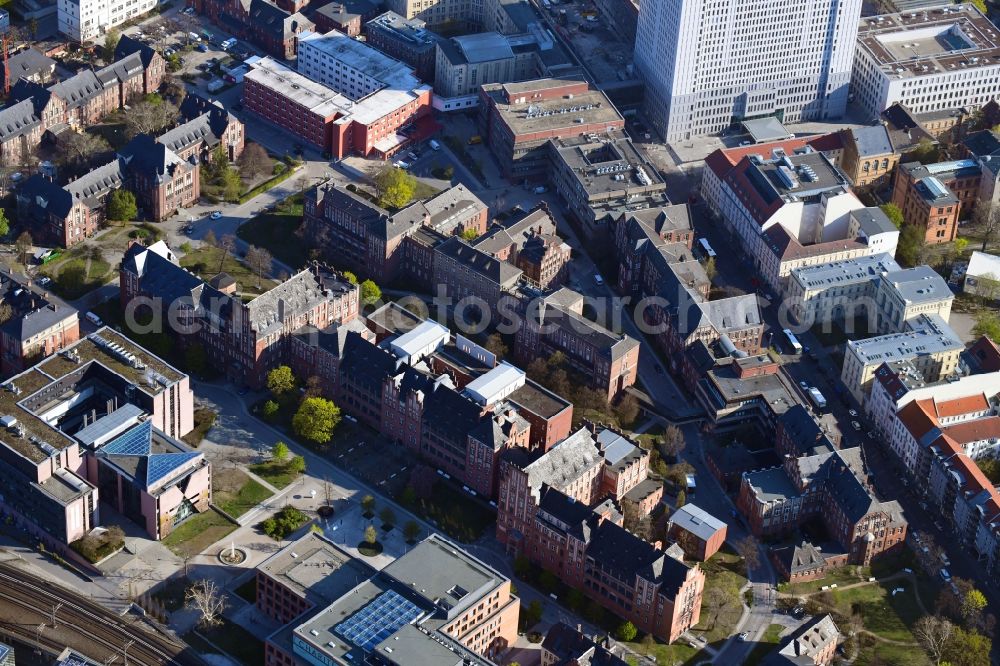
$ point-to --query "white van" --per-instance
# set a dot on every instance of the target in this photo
(94, 319)
(434, 145)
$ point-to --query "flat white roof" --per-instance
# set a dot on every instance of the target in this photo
(400, 85)
(326, 101)
(426, 335)
(982, 264)
(495, 384)
(285, 81)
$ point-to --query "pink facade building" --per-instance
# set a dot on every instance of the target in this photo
(99, 421)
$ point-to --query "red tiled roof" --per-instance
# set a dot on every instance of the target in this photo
(974, 431)
(959, 406)
(917, 418)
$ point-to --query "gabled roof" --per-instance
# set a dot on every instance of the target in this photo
(154, 160)
(128, 46)
(275, 20)
(17, 119)
(500, 272)
(30, 63)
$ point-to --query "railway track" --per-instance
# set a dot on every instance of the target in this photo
(96, 632)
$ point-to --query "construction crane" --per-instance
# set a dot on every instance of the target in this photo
(6, 66)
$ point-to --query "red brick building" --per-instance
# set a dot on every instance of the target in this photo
(933, 197)
(273, 28)
(699, 533)
(244, 340)
(359, 235)
(831, 486)
(39, 324)
(79, 101)
(608, 361)
(518, 119)
(333, 122)
(532, 244)
(586, 548)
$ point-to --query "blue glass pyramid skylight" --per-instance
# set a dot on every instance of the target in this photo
(135, 442)
(160, 464)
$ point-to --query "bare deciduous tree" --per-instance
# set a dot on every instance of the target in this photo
(933, 633)
(206, 598)
(149, 117)
(254, 161)
(23, 246)
(713, 601)
(987, 221)
(227, 243)
(673, 441)
(260, 261)
(747, 549)
(80, 147)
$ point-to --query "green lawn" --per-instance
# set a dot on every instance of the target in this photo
(278, 232)
(197, 533)
(770, 640)
(839, 576)
(424, 191)
(113, 133)
(886, 616)
(723, 571)
(276, 473)
(204, 262)
(75, 274)
(236, 493)
(678, 653)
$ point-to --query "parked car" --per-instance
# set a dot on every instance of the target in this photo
(598, 280)
(853, 412)
(216, 214)
(855, 425)
(541, 189)
(44, 280)
(945, 576)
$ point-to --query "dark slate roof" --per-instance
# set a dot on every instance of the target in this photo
(79, 89)
(154, 160)
(17, 119)
(571, 648)
(122, 70)
(614, 346)
(31, 312)
(498, 271)
(29, 63)
(161, 277)
(986, 142)
(803, 431)
(199, 129)
(625, 556)
(40, 194)
(276, 20)
(35, 93)
(574, 516)
(128, 46)
(796, 559)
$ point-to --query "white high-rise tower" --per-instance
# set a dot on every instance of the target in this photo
(707, 63)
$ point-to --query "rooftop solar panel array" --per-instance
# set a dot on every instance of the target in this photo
(378, 620)
(161, 464)
(135, 442)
